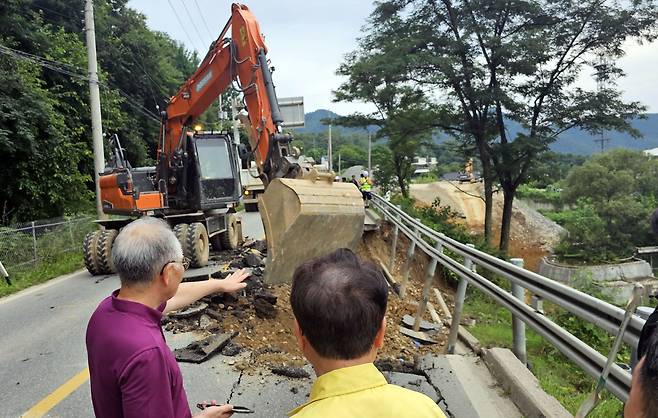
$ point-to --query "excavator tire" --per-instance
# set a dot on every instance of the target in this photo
(180, 231)
(89, 252)
(197, 243)
(230, 239)
(104, 250)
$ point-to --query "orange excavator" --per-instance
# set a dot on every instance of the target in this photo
(195, 185)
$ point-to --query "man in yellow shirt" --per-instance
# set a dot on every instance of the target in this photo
(339, 302)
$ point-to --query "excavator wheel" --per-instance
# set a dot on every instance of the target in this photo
(89, 252)
(197, 243)
(180, 231)
(104, 250)
(230, 239)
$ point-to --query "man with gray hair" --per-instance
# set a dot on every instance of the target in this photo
(133, 372)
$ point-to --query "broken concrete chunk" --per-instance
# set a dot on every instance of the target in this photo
(267, 296)
(409, 320)
(417, 335)
(199, 351)
(231, 349)
(205, 321)
(264, 310)
(186, 313)
(294, 372)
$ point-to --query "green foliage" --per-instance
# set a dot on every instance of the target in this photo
(44, 114)
(556, 374)
(613, 195)
(495, 62)
(42, 272)
(426, 178)
(550, 168)
(404, 115)
(548, 195)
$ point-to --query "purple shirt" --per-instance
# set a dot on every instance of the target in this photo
(133, 372)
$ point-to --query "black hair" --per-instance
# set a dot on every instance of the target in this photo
(339, 302)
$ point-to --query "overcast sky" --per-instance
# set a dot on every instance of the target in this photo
(307, 40)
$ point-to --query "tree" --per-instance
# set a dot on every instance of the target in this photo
(403, 114)
(496, 61)
(612, 195)
(44, 108)
(552, 167)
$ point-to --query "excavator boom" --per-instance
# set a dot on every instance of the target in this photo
(304, 213)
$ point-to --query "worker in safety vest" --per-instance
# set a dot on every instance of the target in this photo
(365, 185)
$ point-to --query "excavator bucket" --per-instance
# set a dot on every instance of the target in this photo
(305, 218)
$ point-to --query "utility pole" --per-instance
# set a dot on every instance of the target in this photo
(95, 104)
(339, 162)
(329, 151)
(369, 155)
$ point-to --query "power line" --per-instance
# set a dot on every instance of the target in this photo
(189, 38)
(203, 19)
(193, 25)
(57, 67)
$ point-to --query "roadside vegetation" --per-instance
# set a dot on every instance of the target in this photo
(33, 254)
(605, 205)
(557, 375)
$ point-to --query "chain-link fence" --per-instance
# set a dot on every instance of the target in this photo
(24, 245)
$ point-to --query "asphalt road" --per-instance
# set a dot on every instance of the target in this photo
(42, 344)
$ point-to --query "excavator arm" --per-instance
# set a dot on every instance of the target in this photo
(241, 60)
(304, 213)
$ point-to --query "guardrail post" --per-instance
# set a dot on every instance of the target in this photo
(538, 304)
(34, 241)
(518, 327)
(459, 306)
(407, 263)
(427, 286)
(394, 247)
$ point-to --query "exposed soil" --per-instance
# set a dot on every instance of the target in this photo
(532, 236)
(271, 341)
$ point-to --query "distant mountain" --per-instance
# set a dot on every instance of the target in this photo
(313, 124)
(574, 141)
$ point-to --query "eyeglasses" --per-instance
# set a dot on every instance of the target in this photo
(185, 263)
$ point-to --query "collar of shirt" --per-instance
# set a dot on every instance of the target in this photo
(343, 381)
(136, 308)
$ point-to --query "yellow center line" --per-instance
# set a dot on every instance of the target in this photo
(57, 396)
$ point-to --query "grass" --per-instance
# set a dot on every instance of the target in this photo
(42, 271)
(556, 374)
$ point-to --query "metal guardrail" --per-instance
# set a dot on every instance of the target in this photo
(600, 313)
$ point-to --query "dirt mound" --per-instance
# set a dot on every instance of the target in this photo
(532, 236)
(263, 317)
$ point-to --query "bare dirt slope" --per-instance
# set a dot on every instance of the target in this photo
(532, 236)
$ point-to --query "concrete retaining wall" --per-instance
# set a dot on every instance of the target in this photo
(627, 272)
(616, 281)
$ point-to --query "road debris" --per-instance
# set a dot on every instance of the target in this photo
(201, 350)
(408, 321)
(262, 315)
(294, 372)
(191, 311)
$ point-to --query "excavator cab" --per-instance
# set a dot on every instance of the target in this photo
(215, 179)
